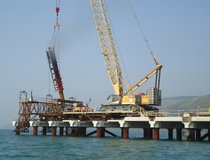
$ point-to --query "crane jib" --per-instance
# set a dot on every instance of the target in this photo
(107, 43)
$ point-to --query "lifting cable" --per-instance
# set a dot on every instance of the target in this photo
(56, 31)
(142, 32)
(55, 41)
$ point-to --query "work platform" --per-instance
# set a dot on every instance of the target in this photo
(197, 127)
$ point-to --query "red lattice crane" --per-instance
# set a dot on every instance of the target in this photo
(51, 56)
(55, 73)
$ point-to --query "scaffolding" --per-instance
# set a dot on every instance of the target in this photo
(45, 109)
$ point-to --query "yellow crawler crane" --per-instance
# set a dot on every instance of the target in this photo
(121, 99)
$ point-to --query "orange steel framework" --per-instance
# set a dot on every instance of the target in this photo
(43, 110)
(50, 109)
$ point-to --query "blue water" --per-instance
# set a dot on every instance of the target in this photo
(26, 147)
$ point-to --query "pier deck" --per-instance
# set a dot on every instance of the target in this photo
(76, 124)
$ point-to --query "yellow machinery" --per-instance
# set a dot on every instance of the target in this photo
(121, 98)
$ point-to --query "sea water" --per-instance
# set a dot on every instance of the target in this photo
(24, 147)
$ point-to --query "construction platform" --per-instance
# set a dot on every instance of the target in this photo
(76, 124)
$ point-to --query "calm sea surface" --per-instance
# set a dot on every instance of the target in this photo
(24, 147)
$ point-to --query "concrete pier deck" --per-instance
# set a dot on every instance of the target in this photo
(151, 125)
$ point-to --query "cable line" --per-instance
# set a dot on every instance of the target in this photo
(142, 32)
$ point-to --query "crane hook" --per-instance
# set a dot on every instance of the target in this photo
(57, 10)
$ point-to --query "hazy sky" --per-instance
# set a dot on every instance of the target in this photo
(178, 32)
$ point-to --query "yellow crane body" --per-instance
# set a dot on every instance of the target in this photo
(121, 99)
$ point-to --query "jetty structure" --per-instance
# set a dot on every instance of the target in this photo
(125, 109)
(41, 117)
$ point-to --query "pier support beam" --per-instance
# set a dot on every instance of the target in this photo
(100, 132)
(148, 133)
(179, 134)
(61, 131)
(209, 135)
(17, 130)
(156, 133)
(35, 130)
(198, 134)
(83, 131)
(44, 131)
(78, 131)
(170, 133)
(125, 132)
(54, 129)
(66, 131)
(191, 136)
